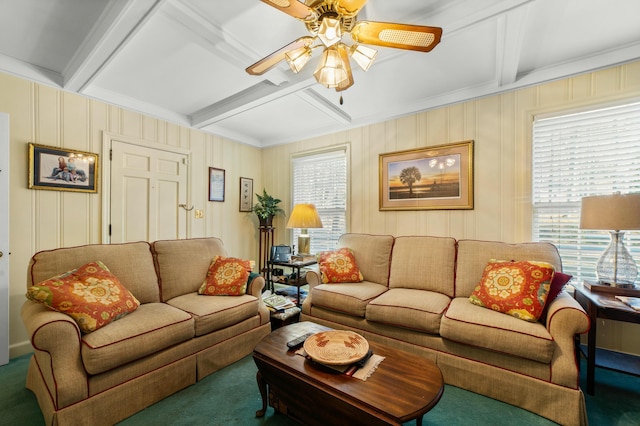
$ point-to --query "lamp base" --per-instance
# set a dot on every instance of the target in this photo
(304, 244)
(616, 267)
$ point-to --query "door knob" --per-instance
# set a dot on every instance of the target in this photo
(1, 253)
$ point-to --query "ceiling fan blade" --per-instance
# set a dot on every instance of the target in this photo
(268, 62)
(293, 8)
(399, 36)
(349, 7)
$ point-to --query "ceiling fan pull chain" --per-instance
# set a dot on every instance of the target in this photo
(341, 101)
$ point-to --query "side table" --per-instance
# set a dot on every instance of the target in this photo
(605, 305)
(295, 266)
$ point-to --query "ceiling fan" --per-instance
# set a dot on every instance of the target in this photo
(327, 21)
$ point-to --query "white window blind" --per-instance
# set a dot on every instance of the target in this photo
(577, 155)
(321, 179)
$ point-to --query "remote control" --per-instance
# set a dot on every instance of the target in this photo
(292, 344)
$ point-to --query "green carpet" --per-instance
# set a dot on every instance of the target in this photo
(230, 397)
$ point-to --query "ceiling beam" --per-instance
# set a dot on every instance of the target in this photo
(509, 44)
(118, 23)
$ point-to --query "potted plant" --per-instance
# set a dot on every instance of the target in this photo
(266, 208)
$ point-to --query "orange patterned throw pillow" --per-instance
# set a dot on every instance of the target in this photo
(91, 295)
(339, 267)
(515, 288)
(227, 276)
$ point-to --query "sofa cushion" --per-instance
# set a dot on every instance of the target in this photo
(424, 263)
(171, 256)
(348, 298)
(372, 253)
(227, 276)
(409, 308)
(151, 328)
(90, 294)
(473, 256)
(213, 313)
(473, 325)
(518, 288)
(132, 263)
(339, 266)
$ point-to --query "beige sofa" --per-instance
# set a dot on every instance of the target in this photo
(173, 339)
(415, 296)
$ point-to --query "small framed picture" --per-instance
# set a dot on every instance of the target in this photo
(216, 184)
(62, 169)
(246, 194)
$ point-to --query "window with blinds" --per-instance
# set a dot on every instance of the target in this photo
(321, 179)
(576, 155)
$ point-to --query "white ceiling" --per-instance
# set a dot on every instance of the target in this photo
(184, 60)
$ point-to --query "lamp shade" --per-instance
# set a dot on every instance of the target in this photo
(611, 212)
(304, 216)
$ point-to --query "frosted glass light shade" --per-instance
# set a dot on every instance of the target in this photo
(298, 58)
(331, 70)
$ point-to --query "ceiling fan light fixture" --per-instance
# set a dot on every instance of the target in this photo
(363, 55)
(298, 58)
(331, 70)
(330, 31)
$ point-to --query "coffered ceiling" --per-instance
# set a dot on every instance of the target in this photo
(184, 60)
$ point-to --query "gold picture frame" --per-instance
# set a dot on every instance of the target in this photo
(62, 169)
(431, 178)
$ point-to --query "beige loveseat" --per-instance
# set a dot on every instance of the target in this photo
(415, 296)
(173, 339)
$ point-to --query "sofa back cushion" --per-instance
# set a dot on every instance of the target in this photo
(131, 263)
(474, 255)
(424, 263)
(182, 265)
(372, 253)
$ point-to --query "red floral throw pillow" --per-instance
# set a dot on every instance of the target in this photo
(515, 288)
(227, 276)
(91, 295)
(339, 267)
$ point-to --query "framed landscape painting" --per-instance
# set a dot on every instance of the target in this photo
(62, 169)
(431, 178)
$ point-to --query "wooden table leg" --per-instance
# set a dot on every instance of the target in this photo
(591, 349)
(419, 421)
(262, 385)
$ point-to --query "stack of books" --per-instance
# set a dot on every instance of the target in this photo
(277, 302)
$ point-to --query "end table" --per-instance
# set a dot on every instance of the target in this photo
(605, 305)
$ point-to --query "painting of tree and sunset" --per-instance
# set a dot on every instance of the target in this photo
(436, 177)
(425, 178)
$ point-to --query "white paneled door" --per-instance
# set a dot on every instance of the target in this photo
(4, 239)
(148, 186)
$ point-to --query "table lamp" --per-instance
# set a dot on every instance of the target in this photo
(614, 213)
(304, 216)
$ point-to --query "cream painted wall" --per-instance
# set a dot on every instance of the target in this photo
(501, 128)
(41, 220)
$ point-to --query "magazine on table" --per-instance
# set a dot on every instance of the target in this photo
(277, 302)
(633, 302)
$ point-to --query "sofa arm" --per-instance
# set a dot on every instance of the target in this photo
(565, 319)
(56, 341)
(313, 278)
(255, 286)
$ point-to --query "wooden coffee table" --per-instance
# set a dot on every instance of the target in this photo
(404, 387)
